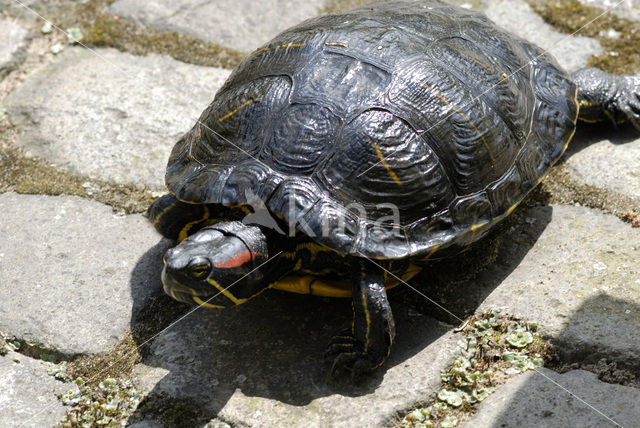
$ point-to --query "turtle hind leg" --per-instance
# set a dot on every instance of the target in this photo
(366, 345)
(608, 97)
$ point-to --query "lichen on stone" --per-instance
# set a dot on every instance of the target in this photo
(494, 347)
(108, 404)
(8, 344)
(74, 35)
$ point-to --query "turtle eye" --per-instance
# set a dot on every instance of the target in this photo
(200, 270)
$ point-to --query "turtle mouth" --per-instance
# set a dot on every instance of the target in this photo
(185, 294)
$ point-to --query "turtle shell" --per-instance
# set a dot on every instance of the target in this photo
(394, 130)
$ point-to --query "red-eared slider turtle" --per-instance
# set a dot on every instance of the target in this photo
(377, 140)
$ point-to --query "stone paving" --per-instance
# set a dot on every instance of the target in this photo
(122, 129)
(75, 276)
(14, 46)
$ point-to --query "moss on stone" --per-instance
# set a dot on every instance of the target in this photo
(559, 188)
(621, 54)
(101, 29)
(26, 174)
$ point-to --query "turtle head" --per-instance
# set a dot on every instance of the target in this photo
(218, 266)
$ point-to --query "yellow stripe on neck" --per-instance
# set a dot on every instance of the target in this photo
(187, 227)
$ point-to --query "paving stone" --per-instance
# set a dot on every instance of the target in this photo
(606, 161)
(579, 280)
(239, 24)
(13, 48)
(516, 16)
(28, 10)
(532, 400)
(14, 8)
(146, 424)
(629, 9)
(72, 274)
(116, 116)
(28, 393)
(260, 364)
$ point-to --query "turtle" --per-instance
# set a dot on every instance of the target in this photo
(345, 155)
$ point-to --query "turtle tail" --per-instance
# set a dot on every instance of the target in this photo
(608, 97)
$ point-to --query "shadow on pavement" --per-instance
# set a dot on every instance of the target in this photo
(588, 134)
(272, 346)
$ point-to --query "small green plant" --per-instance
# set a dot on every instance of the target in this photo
(495, 346)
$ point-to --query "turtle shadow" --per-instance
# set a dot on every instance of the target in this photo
(145, 280)
(272, 346)
(452, 289)
(588, 134)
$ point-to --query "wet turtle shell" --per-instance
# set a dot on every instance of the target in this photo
(395, 130)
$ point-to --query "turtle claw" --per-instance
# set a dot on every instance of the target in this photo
(345, 351)
(341, 344)
(627, 101)
(632, 109)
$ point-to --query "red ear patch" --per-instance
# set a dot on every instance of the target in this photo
(238, 260)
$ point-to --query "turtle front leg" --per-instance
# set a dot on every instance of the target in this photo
(608, 97)
(176, 220)
(365, 346)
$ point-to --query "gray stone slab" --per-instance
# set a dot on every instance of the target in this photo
(111, 115)
(607, 160)
(260, 364)
(516, 16)
(15, 9)
(238, 24)
(13, 48)
(72, 274)
(580, 280)
(535, 400)
(28, 393)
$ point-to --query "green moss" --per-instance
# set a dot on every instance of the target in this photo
(31, 175)
(559, 188)
(621, 54)
(495, 346)
(100, 29)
